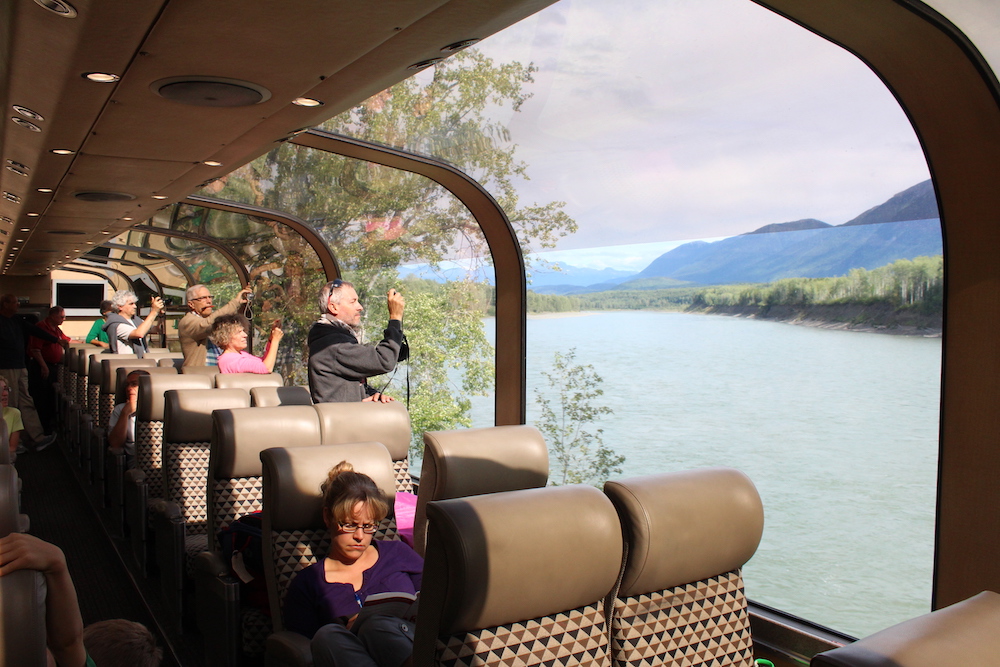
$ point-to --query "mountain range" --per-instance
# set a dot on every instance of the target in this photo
(903, 227)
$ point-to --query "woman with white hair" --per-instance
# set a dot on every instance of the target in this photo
(126, 332)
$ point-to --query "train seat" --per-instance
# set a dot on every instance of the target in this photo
(388, 423)
(11, 520)
(144, 484)
(473, 461)
(964, 633)
(482, 605)
(92, 400)
(681, 597)
(211, 371)
(172, 361)
(248, 381)
(269, 397)
(235, 489)
(295, 535)
(22, 619)
(180, 521)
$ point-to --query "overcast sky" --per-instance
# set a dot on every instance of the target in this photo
(667, 120)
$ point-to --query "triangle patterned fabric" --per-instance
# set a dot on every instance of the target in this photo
(567, 639)
(702, 624)
(148, 455)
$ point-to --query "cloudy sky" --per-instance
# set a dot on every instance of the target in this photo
(686, 119)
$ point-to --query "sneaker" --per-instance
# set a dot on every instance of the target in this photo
(45, 442)
(21, 449)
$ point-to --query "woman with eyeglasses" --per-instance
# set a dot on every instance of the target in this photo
(324, 599)
(228, 333)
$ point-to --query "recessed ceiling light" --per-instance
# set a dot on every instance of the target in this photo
(62, 151)
(26, 124)
(28, 113)
(105, 233)
(101, 77)
(212, 163)
(458, 46)
(159, 196)
(25, 229)
(90, 243)
(424, 64)
(307, 102)
(33, 215)
(126, 218)
(46, 190)
(60, 7)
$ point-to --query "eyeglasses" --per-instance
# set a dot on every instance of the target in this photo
(366, 528)
(199, 298)
(335, 283)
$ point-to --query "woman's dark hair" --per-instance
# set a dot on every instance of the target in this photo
(344, 489)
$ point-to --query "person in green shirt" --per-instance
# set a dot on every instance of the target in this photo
(98, 336)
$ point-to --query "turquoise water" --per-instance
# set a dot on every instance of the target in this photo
(837, 429)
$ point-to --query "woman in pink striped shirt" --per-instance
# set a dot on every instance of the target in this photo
(228, 333)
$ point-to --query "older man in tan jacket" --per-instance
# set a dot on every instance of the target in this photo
(193, 329)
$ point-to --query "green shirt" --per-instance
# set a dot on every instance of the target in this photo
(97, 331)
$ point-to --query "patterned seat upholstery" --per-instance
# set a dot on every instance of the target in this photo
(518, 578)
(181, 522)
(248, 381)
(681, 599)
(269, 397)
(964, 633)
(100, 401)
(235, 489)
(473, 461)
(144, 484)
(388, 423)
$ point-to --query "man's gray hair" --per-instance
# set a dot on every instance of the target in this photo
(330, 293)
(122, 298)
(192, 292)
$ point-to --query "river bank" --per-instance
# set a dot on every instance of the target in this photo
(876, 318)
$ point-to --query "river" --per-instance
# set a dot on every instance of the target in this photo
(837, 429)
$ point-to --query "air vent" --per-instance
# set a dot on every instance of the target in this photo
(66, 232)
(63, 9)
(101, 196)
(203, 91)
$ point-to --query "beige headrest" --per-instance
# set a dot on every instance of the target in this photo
(472, 461)
(506, 557)
(239, 436)
(121, 373)
(686, 526)
(247, 381)
(200, 370)
(152, 388)
(269, 397)
(83, 359)
(964, 633)
(95, 364)
(22, 618)
(173, 362)
(292, 480)
(187, 413)
(388, 423)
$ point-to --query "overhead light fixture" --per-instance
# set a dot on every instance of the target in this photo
(101, 77)
(25, 229)
(424, 64)
(159, 196)
(59, 7)
(105, 233)
(458, 46)
(126, 218)
(307, 102)
(32, 215)
(210, 91)
(212, 163)
(46, 190)
(28, 113)
(26, 124)
(62, 151)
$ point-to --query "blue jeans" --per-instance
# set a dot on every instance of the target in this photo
(384, 641)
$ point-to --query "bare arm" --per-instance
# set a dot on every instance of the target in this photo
(63, 623)
(141, 330)
(119, 432)
(272, 346)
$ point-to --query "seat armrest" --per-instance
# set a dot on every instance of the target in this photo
(287, 649)
(134, 476)
(165, 510)
(211, 564)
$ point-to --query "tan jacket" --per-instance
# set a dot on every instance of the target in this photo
(193, 330)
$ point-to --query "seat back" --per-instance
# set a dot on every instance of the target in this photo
(234, 468)
(473, 461)
(519, 576)
(211, 371)
(68, 379)
(964, 633)
(94, 374)
(108, 382)
(81, 369)
(388, 423)
(149, 423)
(269, 397)
(295, 535)
(10, 520)
(681, 597)
(121, 373)
(22, 619)
(172, 361)
(187, 441)
(247, 381)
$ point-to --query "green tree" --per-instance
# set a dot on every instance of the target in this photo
(578, 454)
(376, 218)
